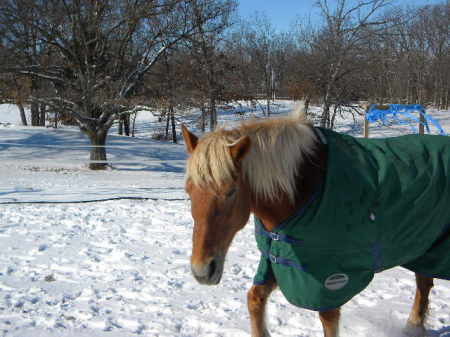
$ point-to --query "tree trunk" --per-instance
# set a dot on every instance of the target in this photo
(126, 124)
(120, 128)
(333, 117)
(211, 119)
(172, 118)
(325, 118)
(133, 125)
(212, 114)
(23, 116)
(307, 102)
(166, 134)
(42, 108)
(56, 114)
(435, 92)
(98, 150)
(203, 119)
(34, 114)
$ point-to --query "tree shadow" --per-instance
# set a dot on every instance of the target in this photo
(442, 332)
(21, 190)
(68, 147)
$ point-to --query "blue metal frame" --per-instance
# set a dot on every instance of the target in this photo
(374, 115)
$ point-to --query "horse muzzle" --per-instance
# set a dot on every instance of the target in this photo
(209, 273)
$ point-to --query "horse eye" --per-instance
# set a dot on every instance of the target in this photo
(231, 193)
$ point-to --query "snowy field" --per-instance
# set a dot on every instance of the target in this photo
(121, 268)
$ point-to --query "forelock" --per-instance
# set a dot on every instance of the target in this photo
(211, 164)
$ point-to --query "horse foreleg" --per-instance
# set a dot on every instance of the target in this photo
(330, 322)
(419, 310)
(256, 301)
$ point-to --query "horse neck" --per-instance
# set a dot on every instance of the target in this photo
(272, 212)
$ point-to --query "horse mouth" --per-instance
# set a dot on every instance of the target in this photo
(210, 273)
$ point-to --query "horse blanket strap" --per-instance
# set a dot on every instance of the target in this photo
(384, 203)
(277, 236)
(283, 261)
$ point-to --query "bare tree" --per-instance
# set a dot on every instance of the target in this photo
(347, 25)
(409, 61)
(205, 44)
(261, 38)
(99, 53)
(27, 50)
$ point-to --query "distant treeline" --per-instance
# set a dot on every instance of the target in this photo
(95, 62)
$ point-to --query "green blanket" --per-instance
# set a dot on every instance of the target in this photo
(384, 203)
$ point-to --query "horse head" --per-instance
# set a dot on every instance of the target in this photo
(220, 201)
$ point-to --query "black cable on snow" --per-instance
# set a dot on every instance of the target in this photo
(88, 201)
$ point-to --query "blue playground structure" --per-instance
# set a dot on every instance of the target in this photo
(391, 112)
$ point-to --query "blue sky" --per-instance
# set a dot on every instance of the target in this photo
(283, 12)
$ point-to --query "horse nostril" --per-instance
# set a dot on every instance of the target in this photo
(212, 268)
(209, 272)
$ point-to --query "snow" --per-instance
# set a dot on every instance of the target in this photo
(46, 164)
(121, 268)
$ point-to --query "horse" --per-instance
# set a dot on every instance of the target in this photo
(309, 189)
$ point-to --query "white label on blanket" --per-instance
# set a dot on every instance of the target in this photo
(336, 281)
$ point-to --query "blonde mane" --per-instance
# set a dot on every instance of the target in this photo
(278, 147)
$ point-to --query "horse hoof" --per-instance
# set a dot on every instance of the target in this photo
(412, 330)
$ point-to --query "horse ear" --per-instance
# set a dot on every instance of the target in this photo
(239, 149)
(190, 139)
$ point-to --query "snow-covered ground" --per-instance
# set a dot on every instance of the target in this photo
(121, 268)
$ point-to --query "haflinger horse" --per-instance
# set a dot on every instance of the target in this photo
(330, 211)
